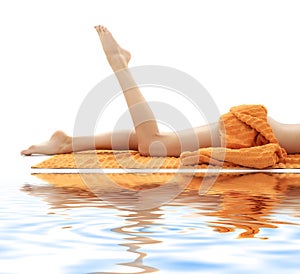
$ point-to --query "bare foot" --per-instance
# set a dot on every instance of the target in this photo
(58, 143)
(117, 57)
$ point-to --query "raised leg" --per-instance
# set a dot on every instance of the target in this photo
(146, 138)
(150, 140)
(142, 116)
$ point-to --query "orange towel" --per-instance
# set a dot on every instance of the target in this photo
(247, 140)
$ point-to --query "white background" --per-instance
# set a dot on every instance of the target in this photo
(50, 57)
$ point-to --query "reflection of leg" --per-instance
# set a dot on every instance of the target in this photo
(288, 135)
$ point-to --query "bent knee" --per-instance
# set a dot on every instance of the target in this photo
(154, 148)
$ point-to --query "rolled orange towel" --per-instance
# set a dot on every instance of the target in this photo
(247, 140)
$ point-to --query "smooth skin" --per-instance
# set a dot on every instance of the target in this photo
(146, 137)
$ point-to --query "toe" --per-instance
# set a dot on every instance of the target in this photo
(104, 29)
(98, 29)
(25, 152)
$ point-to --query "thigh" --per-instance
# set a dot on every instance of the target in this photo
(287, 135)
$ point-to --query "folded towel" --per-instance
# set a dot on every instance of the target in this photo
(247, 140)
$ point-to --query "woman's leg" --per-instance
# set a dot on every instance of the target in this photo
(288, 135)
(142, 116)
(150, 140)
(122, 140)
(146, 139)
(62, 143)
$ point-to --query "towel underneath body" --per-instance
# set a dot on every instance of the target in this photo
(247, 140)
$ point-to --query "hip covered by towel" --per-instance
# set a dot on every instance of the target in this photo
(247, 140)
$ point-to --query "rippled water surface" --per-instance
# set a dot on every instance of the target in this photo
(244, 224)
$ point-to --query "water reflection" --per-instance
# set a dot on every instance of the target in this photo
(67, 191)
(136, 239)
(250, 202)
(241, 204)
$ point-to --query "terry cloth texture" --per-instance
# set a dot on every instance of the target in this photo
(108, 159)
(247, 142)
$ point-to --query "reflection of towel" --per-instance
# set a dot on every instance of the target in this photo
(247, 140)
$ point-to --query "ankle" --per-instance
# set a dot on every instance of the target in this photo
(117, 62)
(66, 146)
